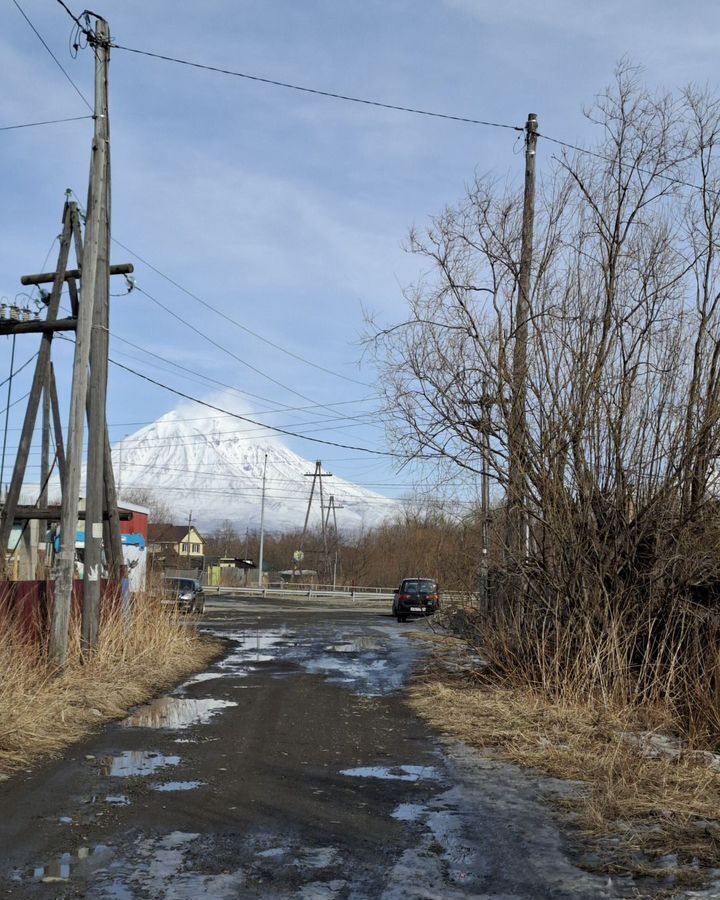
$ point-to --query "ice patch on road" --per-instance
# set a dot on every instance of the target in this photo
(162, 871)
(408, 812)
(393, 773)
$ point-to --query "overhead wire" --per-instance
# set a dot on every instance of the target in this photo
(641, 169)
(45, 122)
(242, 418)
(55, 59)
(15, 372)
(232, 321)
(229, 352)
(321, 93)
(280, 407)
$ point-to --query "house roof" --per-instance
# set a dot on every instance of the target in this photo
(164, 533)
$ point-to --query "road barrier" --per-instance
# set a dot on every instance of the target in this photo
(354, 595)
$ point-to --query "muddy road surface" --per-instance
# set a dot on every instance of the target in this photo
(290, 769)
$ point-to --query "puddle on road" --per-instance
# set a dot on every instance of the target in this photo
(370, 665)
(117, 799)
(136, 762)
(178, 786)
(61, 868)
(176, 713)
(394, 773)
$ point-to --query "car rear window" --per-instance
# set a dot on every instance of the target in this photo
(419, 586)
(179, 584)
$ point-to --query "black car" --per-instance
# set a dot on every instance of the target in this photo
(185, 593)
(416, 597)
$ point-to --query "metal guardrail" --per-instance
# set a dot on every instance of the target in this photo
(319, 593)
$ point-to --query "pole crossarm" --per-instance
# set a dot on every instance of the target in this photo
(49, 277)
(11, 326)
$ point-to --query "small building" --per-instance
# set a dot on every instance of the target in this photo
(228, 571)
(176, 546)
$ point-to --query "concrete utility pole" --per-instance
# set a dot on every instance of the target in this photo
(97, 221)
(518, 432)
(332, 507)
(262, 527)
(317, 476)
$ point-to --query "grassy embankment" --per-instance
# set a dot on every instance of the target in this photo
(42, 710)
(577, 707)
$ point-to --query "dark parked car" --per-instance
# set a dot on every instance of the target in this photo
(416, 597)
(185, 593)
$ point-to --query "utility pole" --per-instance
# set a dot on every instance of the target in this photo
(71, 223)
(44, 467)
(97, 218)
(188, 536)
(317, 476)
(96, 278)
(332, 507)
(518, 431)
(262, 526)
(485, 491)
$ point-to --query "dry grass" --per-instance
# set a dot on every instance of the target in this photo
(646, 807)
(42, 710)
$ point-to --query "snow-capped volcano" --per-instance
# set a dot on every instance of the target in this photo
(214, 467)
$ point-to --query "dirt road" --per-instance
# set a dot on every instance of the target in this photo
(290, 769)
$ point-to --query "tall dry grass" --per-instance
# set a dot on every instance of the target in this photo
(659, 664)
(625, 702)
(43, 710)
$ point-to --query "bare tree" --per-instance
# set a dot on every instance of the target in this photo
(624, 352)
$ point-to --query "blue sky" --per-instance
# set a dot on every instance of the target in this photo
(288, 211)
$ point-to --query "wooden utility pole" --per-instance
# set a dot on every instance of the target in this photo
(57, 427)
(45, 443)
(97, 218)
(485, 496)
(518, 431)
(100, 286)
(71, 223)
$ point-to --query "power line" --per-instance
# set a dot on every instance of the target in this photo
(308, 90)
(596, 155)
(228, 318)
(249, 420)
(232, 321)
(45, 122)
(56, 60)
(15, 372)
(15, 402)
(282, 407)
(230, 353)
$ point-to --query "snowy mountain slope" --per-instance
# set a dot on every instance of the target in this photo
(213, 468)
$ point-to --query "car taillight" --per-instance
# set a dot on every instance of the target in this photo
(433, 597)
(404, 597)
